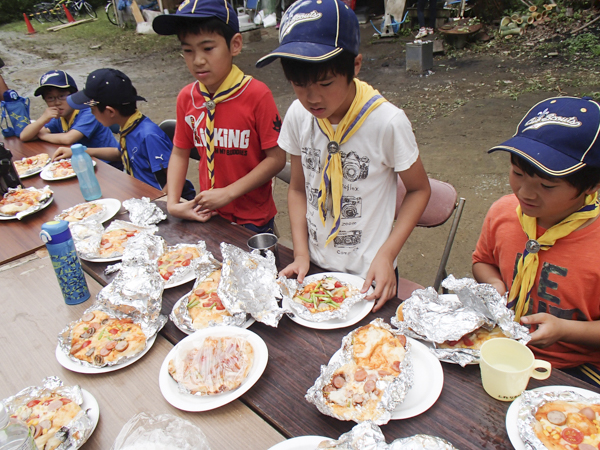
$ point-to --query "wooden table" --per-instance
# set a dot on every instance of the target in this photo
(464, 414)
(34, 312)
(21, 237)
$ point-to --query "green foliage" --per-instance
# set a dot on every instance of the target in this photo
(12, 10)
(585, 45)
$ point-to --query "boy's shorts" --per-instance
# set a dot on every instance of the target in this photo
(585, 372)
(269, 227)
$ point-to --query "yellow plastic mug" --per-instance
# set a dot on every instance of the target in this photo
(506, 366)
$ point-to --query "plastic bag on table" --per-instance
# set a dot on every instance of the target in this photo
(160, 432)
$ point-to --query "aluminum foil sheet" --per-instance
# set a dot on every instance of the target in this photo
(289, 287)
(44, 199)
(394, 391)
(77, 431)
(368, 436)
(249, 284)
(149, 328)
(438, 318)
(532, 400)
(93, 217)
(142, 249)
(187, 272)
(143, 212)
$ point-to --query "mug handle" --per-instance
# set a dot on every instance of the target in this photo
(541, 364)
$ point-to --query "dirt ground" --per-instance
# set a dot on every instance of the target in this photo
(469, 102)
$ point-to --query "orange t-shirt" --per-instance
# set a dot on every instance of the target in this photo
(567, 283)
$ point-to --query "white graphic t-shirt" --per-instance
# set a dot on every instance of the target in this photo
(384, 144)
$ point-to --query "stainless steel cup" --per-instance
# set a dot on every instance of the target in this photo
(263, 242)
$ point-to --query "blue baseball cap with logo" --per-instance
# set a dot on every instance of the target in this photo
(110, 87)
(315, 31)
(197, 9)
(56, 78)
(559, 136)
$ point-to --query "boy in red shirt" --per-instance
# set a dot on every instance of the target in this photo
(229, 117)
(541, 243)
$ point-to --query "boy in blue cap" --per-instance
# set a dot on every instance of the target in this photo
(62, 124)
(229, 117)
(144, 148)
(347, 145)
(540, 244)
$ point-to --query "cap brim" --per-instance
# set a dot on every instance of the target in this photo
(79, 100)
(302, 51)
(40, 89)
(542, 156)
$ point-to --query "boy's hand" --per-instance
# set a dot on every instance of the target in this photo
(190, 211)
(62, 153)
(213, 198)
(382, 272)
(548, 331)
(50, 113)
(299, 267)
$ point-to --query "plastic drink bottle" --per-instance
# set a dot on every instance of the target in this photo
(14, 434)
(59, 242)
(84, 168)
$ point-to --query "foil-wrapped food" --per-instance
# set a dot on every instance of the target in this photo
(367, 377)
(368, 436)
(19, 202)
(83, 212)
(56, 414)
(559, 419)
(458, 324)
(143, 212)
(179, 262)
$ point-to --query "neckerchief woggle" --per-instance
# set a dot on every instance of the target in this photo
(66, 126)
(232, 84)
(133, 121)
(364, 103)
(527, 265)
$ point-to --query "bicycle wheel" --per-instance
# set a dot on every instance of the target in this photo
(89, 10)
(59, 13)
(37, 15)
(111, 13)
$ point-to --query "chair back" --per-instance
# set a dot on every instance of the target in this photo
(441, 204)
(168, 126)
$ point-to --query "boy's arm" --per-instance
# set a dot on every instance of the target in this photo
(382, 268)
(488, 273)
(297, 212)
(269, 167)
(105, 153)
(31, 131)
(68, 138)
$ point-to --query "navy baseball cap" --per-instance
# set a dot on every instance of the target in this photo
(107, 86)
(197, 9)
(315, 31)
(559, 136)
(55, 78)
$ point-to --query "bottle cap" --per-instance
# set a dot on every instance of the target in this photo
(55, 231)
(78, 149)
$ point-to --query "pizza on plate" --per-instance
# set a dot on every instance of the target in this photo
(353, 391)
(20, 200)
(27, 165)
(219, 364)
(562, 425)
(114, 242)
(45, 416)
(80, 212)
(324, 295)
(170, 261)
(99, 338)
(204, 304)
(61, 169)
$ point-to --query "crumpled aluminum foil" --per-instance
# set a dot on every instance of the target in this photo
(93, 217)
(45, 198)
(289, 287)
(532, 400)
(78, 430)
(394, 391)
(143, 212)
(249, 284)
(180, 315)
(149, 328)
(439, 318)
(88, 235)
(142, 249)
(368, 436)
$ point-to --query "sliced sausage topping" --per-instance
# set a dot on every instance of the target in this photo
(88, 317)
(339, 381)
(588, 412)
(122, 346)
(369, 386)
(557, 417)
(360, 374)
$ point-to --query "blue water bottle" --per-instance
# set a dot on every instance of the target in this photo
(84, 168)
(59, 242)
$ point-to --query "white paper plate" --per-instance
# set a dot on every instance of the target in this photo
(428, 383)
(47, 174)
(111, 208)
(35, 172)
(102, 260)
(44, 205)
(90, 404)
(189, 402)
(513, 412)
(300, 443)
(68, 363)
(358, 311)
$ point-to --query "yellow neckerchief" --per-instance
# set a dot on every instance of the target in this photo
(528, 263)
(232, 84)
(129, 126)
(364, 103)
(66, 126)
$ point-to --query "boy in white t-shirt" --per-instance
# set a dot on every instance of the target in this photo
(347, 145)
